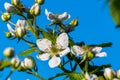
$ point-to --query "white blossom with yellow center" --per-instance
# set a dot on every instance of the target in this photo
(54, 17)
(77, 50)
(54, 52)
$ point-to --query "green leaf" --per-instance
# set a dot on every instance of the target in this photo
(115, 11)
(27, 52)
(101, 78)
(98, 69)
(75, 76)
(57, 75)
(49, 36)
(109, 44)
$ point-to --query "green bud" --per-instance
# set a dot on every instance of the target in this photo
(15, 2)
(35, 9)
(89, 56)
(9, 52)
(20, 32)
(74, 23)
(39, 1)
(8, 34)
(5, 16)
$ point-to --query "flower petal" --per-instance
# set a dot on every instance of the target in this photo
(12, 31)
(64, 16)
(77, 50)
(102, 54)
(97, 49)
(109, 73)
(20, 23)
(64, 52)
(54, 62)
(44, 56)
(62, 41)
(44, 44)
(9, 7)
(87, 76)
(50, 15)
(93, 77)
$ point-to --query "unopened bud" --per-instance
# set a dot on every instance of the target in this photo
(9, 52)
(8, 34)
(15, 2)
(28, 63)
(9, 7)
(35, 9)
(109, 73)
(20, 32)
(74, 23)
(5, 16)
(15, 62)
(39, 1)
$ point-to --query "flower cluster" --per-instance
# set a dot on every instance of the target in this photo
(54, 44)
(28, 63)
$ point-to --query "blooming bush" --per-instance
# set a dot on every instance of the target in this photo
(53, 44)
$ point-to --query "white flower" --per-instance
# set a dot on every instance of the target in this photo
(28, 63)
(55, 17)
(91, 77)
(15, 62)
(53, 51)
(109, 73)
(9, 52)
(98, 53)
(77, 50)
(19, 30)
(35, 9)
(118, 74)
(9, 7)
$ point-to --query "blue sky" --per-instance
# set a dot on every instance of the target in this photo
(95, 26)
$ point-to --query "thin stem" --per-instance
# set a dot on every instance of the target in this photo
(9, 74)
(34, 22)
(54, 29)
(36, 74)
(63, 69)
(28, 42)
(32, 30)
(86, 66)
(11, 23)
(77, 64)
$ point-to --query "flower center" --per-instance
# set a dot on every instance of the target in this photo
(54, 50)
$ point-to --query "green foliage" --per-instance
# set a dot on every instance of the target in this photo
(27, 52)
(115, 11)
(75, 76)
